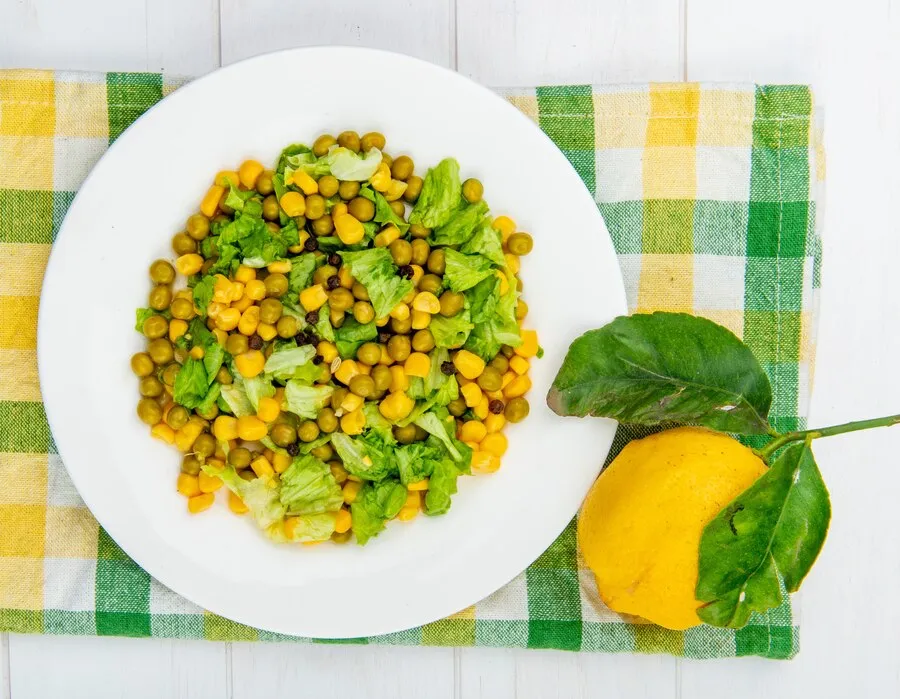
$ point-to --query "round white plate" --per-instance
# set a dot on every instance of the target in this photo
(140, 194)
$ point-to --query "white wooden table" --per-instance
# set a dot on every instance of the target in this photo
(849, 53)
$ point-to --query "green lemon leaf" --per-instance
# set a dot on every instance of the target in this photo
(664, 367)
(773, 530)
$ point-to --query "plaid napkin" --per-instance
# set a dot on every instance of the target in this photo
(710, 194)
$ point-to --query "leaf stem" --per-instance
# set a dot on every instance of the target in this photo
(789, 437)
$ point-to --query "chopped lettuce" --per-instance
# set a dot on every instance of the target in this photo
(308, 487)
(203, 293)
(140, 316)
(482, 299)
(441, 486)
(301, 274)
(236, 198)
(347, 165)
(384, 214)
(306, 401)
(462, 272)
(451, 332)
(497, 329)
(486, 241)
(446, 393)
(416, 461)
(304, 529)
(235, 397)
(262, 500)
(352, 335)
(440, 197)
(369, 456)
(440, 424)
(374, 506)
(256, 388)
(323, 327)
(375, 269)
(213, 356)
(461, 225)
(248, 238)
(378, 422)
(191, 385)
(436, 378)
(285, 363)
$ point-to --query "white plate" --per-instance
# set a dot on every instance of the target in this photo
(140, 194)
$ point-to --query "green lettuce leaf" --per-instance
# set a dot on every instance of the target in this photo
(191, 385)
(462, 272)
(347, 165)
(374, 506)
(440, 197)
(375, 270)
(308, 487)
(486, 241)
(236, 198)
(352, 335)
(498, 329)
(235, 397)
(306, 401)
(203, 293)
(284, 363)
(302, 269)
(451, 332)
(441, 486)
(440, 424)
(482, 299)
(416, 461)
(369, 456)
(323, 327)
(308, 528)
(263, 501)
(210, 399)
(256, 388)
(461, 225)
(213, 356)
(384, 214)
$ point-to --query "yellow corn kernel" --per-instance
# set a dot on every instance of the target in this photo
(512, 263)
(306, 183)
(261, 467)
(266, 331)
(187, 435)
(189, 264)
(201, 502)
(339, 472)
(164, 432)
(269, 454)
(399, 379)
(249, 321)
(471, 393)
(226, 178)
(281, 461)
(413, 499)
(353, 422)
(222, 289)
(327, 351)
(428, 302)
(417, 364)
(218, 461)
(468, 364)
(346, 371)
(396, 406)
(381, 322)
(381, 180)
(342, 521)
(484, 462)
(494, 423)
(220, 336)
(177, 328)
(187, 294)
(519, 386)
(237, 291)
(348, 229)
(472, 445)
(293, 204)
(407, 513)
(519, 365)
(208, 483)
(472, 431)
(245, 274)
(504, 282)
(505, 225)
(507, 378)
(251, 428)
(214, 309)
(420, 319)
(351, 402)
(336, 317)
(188, 485)
(250, 363)
(225, 428)
(418, 273)
(386, 359)
(400, 311)
(279, 267)
(255, 289)
(495, 443)
(228, 319)
(345, 278)
(236, 505)
(418, 485)
(529, 346)
(351, 490)
(268, 409)
(364, 368)
(242, 304)
(249, 171)
(314, 297)
(387, 236)
(339, 209)
(481, 410)
(395, 190)
(409, 297)
(210, 202)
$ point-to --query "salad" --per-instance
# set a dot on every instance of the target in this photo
(347, 345)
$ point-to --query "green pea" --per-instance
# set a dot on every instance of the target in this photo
(148, 411)
(264, 183)
(183, 244)
(190, 465)
(204, 445)
(197, 226)
(413, 189)
(240, 457)
(406, 434)
(151, 387)
(457, 407)
(142, 365)
(472, 190)
(423, 341)
(517, 410)
(369, 353)
(520, 243)
(327, 421)
(322, 144)
(490, 379)
(283, 434)
(276, 285)
(308, 431)
(328, 186)
(161, 351)
(155, 327)
(270, 311)
(362, 385)
(177, 417)
(161, 272)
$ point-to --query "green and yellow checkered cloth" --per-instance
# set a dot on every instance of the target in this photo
(710, 194)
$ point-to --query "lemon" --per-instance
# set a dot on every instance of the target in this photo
(640, 525)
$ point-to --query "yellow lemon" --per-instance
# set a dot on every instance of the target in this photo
(640, 525)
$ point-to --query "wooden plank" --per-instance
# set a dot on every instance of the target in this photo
(530, 674)
(56, 666)
(333, 671)
(527, 42)
(849, 603)
(107, 35)
(420, 29)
